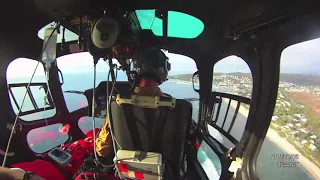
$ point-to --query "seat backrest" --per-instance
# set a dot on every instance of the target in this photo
(163, 129)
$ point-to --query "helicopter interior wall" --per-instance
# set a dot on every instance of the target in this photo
(4, 96)
(13, 47)
(265, 71)
(248, 51)
(268, 42)
(8, 52)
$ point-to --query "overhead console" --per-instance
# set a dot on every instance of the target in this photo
(121, 87)
(111, 30)
(105, 31)
(125, 30)
(80, 16)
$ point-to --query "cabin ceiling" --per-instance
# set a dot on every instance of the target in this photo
(221, 19)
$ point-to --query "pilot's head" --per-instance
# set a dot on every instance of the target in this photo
(151, 64)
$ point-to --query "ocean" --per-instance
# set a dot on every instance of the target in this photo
(266, 167)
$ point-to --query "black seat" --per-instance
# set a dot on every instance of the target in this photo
(163, 130)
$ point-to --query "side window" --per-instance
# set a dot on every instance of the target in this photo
(85, 123)
(43, 139)
(35, 106)
(291, 149)
(232, 88)
(179, 84)
(209, 161)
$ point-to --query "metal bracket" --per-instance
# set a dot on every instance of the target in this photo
(10, 127)
(146, 101)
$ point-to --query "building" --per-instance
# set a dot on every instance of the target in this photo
(274, 118)
(313, 137)
(304, 142)
(290, 125)
(312, 147)
(298, 115)
(304, 131)
(304, 120)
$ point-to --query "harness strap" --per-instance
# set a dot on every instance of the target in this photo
(155, 140)
(132, 126)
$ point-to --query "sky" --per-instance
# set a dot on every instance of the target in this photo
(301, 58)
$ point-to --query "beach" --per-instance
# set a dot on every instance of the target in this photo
(273, 136)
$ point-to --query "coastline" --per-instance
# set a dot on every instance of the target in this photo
(181, 81)
(274, 137)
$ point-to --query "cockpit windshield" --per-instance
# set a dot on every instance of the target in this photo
(81, 65)
(78, 74)
(180, 25)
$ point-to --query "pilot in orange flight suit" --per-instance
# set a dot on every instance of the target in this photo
(152, 68)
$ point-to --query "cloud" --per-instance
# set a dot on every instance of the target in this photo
(83, 62)
(301, 58)
(231, 64)
(22, 67)
(181, 64)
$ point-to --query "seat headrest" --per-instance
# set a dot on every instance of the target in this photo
(146, 101)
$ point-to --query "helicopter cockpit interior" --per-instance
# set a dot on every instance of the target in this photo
(107, 35)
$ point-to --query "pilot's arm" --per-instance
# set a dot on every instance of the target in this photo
(104, 146)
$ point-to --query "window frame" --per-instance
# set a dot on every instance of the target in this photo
(36, 108)
(239, 99)
(215, 146)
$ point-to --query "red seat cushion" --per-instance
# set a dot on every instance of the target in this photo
(78, 150)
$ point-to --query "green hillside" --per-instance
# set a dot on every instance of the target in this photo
(299, 79)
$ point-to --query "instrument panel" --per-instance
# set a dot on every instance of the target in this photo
(82, 25)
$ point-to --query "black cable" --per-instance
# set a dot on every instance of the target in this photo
(111, 70)
(95, 60)
(97, 161)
